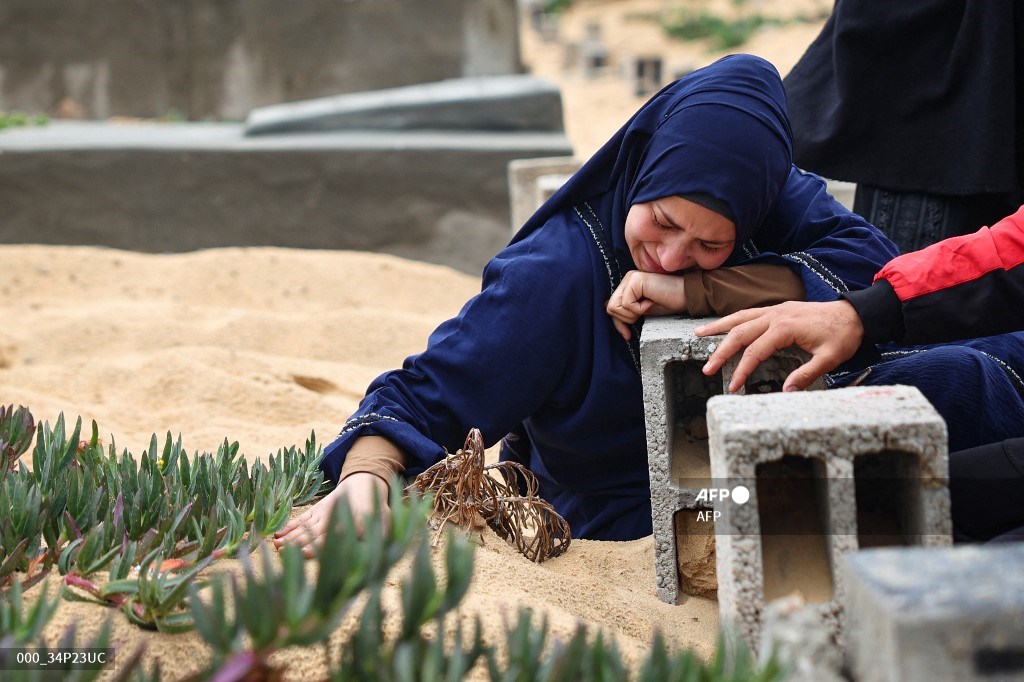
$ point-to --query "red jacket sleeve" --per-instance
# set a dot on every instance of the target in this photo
(959, 288)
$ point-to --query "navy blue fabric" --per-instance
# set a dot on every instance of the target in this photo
(977, 385)
(535, 355)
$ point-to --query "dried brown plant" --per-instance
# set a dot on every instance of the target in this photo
(467, 494)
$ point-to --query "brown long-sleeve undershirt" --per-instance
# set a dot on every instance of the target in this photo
(373, 455)
(708, 292)
(727, 290)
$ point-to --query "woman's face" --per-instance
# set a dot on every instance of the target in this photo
(672, 234)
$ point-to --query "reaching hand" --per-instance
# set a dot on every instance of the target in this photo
(645, 293)
(830, 332)
(307, 530)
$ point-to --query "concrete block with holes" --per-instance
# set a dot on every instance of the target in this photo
(936, 614)
(827, 472)
(675, 395)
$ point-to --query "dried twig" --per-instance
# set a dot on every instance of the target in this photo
(466, 494)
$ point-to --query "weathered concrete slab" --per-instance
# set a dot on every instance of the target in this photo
(436, 196)
(501, 103)
(221, 59)
(532, 181)
(676, 393)
(939, 615)
(827, 472)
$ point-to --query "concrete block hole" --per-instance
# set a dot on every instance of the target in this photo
(792, 505)
(695, 552)
(769, 376)
(688, 390)
(889, 503)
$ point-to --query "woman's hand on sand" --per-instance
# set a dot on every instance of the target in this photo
(645, 293)
(830, 332)
(359, 489)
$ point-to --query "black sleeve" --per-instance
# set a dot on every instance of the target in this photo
(880, 310)
(988, 305)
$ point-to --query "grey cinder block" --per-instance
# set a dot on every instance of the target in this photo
(936, 614)
(828, 472)
(794, 637)
(593, 51)
(675, 395)
(645, 75)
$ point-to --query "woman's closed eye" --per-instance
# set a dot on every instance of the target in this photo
(710, 247)
(661, 225)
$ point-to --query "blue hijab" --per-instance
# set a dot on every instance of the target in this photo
(719, 137)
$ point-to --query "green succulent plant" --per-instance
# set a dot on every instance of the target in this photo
(17, 428)
(276, 609)
(157, 596)
(17, 119)
(413, 655)
(20, 530)
(21, 628)
(89, 509)
(54, 452)
(21, 624)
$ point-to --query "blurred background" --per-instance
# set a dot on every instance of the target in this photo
(378, 125)
(608, 56)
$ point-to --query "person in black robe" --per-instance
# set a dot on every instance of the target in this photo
(922, 105)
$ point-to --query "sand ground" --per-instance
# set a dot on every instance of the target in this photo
(264, 345)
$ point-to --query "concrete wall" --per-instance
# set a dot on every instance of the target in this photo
(439, 196)
(221, 58)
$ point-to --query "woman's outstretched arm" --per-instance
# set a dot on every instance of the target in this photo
(489, 368)
(371, 463)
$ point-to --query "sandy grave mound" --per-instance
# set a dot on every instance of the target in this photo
(262, 346)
